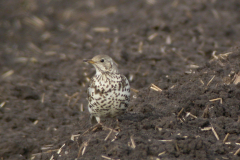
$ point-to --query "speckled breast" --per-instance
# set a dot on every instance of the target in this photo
(108, 96)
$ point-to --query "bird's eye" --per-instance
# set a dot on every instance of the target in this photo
(102, 60)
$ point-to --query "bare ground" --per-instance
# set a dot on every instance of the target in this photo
(188, 49)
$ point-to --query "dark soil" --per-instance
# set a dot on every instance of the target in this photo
(169, 43)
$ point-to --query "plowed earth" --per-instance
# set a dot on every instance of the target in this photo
(188, 49)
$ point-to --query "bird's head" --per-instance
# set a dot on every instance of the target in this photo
(103, 64)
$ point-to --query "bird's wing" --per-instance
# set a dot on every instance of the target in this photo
(124, 82)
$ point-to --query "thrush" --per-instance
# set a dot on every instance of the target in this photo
(109, 91)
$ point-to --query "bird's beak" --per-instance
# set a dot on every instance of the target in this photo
(89, 61)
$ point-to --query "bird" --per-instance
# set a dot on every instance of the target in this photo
(108, 93)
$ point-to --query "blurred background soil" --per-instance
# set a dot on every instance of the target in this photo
(180, 56)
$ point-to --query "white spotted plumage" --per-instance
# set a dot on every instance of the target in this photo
(109, 91)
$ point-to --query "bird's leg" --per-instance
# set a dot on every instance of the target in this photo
(118, 126)
(98, 123)
(98, 119)
(104, 127)
(94, 120)
(93, 128)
